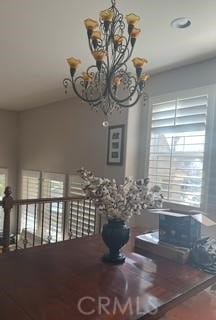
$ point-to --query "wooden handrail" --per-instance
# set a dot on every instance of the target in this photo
(45, 200)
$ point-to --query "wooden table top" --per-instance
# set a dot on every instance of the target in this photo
(47, 283)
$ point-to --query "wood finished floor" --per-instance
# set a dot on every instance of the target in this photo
(200, 307)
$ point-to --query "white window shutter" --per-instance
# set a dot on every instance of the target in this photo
(53, 186)
(82, 219)
(178, 132)
(30, 190)
(30, 184)
(3, 183)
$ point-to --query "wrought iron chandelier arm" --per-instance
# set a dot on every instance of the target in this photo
(119, 101)
(117, 67)
(79, 95)
(123, 53)
(66, 82)
(117, 59)
(90, 45)
(132, 104)
(107, 49)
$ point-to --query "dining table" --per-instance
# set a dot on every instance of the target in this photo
(69, 280)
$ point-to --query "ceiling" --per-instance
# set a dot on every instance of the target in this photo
(36, 37)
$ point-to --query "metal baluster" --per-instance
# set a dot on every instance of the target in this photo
(95, 221)
(57, 221)
(100, 222)
(89, 218)
(64, 219)
(26, 226)
(42, 223)
(17, 225)
(35, 214)
(83, 217)
(77, 220)
(71, 214)
(50, 222)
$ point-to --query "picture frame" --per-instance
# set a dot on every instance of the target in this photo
(115, 148)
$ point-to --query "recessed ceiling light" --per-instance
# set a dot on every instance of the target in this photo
(181, 23)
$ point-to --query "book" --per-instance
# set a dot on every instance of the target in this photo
(149, 242)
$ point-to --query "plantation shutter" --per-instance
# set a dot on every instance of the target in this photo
(3, 183)
(82, 218)
(53, 186)
(30, 190)
(177, 145)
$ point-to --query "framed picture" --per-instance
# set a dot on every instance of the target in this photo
(115, 145)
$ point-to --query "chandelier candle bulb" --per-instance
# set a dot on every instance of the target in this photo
(111, 46)
(86, 77)
(132, 20)
(118, 40)
(91, 25)
(73, 63)
(139, 62)
(99, 57)
(96, 35)
(107, 17)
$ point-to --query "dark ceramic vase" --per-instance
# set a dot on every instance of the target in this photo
(115, 235)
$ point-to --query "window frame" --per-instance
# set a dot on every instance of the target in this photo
(60, 177)
(3, 171)
(31, 174)
(209, 91)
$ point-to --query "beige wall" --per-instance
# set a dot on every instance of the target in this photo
(115, 171)
(62, 137)
(134, 140)
(9, 145)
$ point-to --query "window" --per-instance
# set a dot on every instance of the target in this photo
(177, 147)
(3, 183)
(53, 187)
(82, 214)
(30, 190)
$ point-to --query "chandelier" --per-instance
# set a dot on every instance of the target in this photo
(108, 85)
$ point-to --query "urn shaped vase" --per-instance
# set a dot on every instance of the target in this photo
(115, 235)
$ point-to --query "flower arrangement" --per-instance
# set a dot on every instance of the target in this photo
(120, 201)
